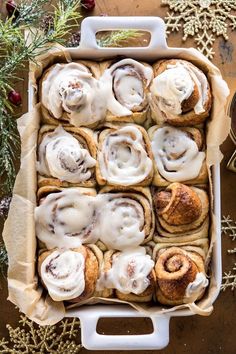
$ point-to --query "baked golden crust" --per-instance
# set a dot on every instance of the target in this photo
(46, 190)
(102, 180)
(182, 214)
(196, 135)
(188, 116)
(86, 139)
(175, 269)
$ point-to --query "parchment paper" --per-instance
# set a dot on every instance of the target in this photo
(19, 230)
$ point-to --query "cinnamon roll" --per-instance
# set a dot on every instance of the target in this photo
(66, 157)
(72, 93)
(180, 276)
(124, 157)
(180, 93)
(67, 219)
(182, 213)
(127, 85)
(127, 219)
(178, 155)
(130, 273)
(69, 275)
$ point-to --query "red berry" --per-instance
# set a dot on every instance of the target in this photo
(10, 6)
(14, 97)
(88, 4)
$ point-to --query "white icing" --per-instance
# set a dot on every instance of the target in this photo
(129, 272)
(121, 223)
(123, 158)
(176, 155)
(63, 274)
(125, 83)
(61, 156)
(176, 84)
(67, 219)
(173, 86)
(72, 88)
(195, 288)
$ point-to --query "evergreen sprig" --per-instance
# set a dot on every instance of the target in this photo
(3, 259)
(117, 38)
(15, 52)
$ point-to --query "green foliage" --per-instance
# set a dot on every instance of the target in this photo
(3, 259)
(117, 38)
(15, 52)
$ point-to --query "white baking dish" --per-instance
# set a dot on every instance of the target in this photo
(89, 315)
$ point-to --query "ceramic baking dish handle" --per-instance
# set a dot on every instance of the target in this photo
(92, 340)
(154, 25)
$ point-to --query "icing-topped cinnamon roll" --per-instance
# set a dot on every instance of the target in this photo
(127, 219)
(180, 276)
(69, 275)
(130, 273)
(124, 157)
(181, 213)
(67, 219)
(64, 157)
(72, 93)
(180, 93)
(178, 155)
(127, 84)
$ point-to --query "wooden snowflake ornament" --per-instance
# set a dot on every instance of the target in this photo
(201, 19)
(228, 227)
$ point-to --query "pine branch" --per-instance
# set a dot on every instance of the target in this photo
(15, 52)
(3, 259)
(117, 38)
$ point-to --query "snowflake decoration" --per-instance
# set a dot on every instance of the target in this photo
(229, 227)
(31, 338)
(201, 19)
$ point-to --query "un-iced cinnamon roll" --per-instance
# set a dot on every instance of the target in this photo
(124, 157)
(67, 219)
(127, 219)
(66, 157)
(182, 213)
(69, 275)
(127, 84)
(178, 155)
(180, 93)
(71, 93)
(180, 276)
(130, 273)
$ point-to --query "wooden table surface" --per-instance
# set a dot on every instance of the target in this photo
(216, 333)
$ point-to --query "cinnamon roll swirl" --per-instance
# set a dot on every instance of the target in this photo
(67, 219)
(180, 93)
(178, 155)
(130, 273)
(66, 157)
(127, 219)
(182, 213)
(72, 93)
(180, 276)
(69, 275)
(124, 157)
(127, 85)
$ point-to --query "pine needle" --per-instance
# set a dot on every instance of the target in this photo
(117, 38)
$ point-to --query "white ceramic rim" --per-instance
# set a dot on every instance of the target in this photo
(89, 315)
